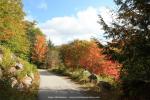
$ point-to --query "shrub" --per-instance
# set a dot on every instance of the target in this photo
(7, 60)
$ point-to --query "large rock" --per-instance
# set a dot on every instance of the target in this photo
(27, 81)
(104, 85)
(93, 78)
(19, 65)
(12, 70)
(20, 86)
(13, 82)
(31, 75)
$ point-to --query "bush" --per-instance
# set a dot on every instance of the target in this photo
(7, 60)
(59, 70)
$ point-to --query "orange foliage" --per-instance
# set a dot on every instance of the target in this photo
(39, 49)
(89, 56)
(92, 58)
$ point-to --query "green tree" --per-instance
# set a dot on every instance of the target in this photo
(12, 27)
(11, 16)
(31, 32)
(50, 44)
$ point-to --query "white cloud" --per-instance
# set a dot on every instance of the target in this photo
(81, 26)
(43, 5)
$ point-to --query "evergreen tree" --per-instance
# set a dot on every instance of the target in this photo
(130, 34)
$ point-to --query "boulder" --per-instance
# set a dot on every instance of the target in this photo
(13, 82)
(104, 85)
(27, 81)
(20, 86)
(19, 66)
(12, 70)
(31, 75)
(93, 78)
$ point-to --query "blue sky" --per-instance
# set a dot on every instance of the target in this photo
(66, 20)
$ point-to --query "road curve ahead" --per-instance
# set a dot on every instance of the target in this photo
(54, 87)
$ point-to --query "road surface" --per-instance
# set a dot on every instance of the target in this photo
(54, 87)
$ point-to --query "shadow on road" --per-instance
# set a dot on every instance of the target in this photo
(67, 94)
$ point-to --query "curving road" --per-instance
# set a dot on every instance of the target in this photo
(54, 87)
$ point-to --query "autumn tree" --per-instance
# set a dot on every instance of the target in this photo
(97, 62)
(88, 55)
(72, 52)
(39, 50)
(92, 59)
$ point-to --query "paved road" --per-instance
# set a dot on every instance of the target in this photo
(54, 87)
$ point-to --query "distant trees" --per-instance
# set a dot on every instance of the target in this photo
(52, 57)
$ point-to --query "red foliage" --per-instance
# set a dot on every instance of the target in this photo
(89, 56)
(111, 68)
(96, 62)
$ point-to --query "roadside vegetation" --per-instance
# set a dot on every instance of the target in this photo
(19, 77)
